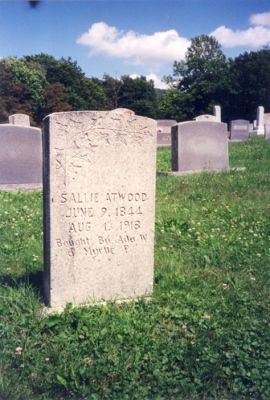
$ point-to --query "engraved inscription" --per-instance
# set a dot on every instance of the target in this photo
(118, 212)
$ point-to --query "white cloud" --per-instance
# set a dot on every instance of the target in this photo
(260, 19)
(252, 37)
(154, 50)
(156, 79)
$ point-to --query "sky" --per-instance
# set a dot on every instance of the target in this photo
(130, 37)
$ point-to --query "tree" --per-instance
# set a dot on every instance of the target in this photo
(175, 105)
(250, 80)
(30, 76)
(15, 96)
(112, 88)
(82, 93)
(139, 95)
(55, 99)
(203, 75)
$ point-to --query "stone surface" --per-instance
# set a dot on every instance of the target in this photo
(267, 131)
(205, 117)
(164, 131)
(20, 155)
(217, 113)
(239, 129)
(266, 119)
(200, 146)
(99, 195)
(19, 119)
(260, 121)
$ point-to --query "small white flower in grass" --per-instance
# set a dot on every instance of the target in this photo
(252, 278)
(225, 286)
(47, 359)
(18, 350)
(184, 329)
(207, 317)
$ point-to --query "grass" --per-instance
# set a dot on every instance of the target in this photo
(204, 336)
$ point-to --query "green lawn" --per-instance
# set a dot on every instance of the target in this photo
(205, 335)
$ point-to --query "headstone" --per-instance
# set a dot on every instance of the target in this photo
(260, 121)
(20, 155)
(164, 131)
(200, 146)
(267, 131)
(266, 119)
(217, 113)
(206, 117)
(239, 129)
(19, 119)
(99, 194)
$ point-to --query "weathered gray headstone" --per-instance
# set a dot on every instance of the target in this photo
(200, 146)
(99, 193)
(267, 131)
(260, 121)
(19, 119)
(239, 129)
(164, 131)
(20, 155)
(217, 113)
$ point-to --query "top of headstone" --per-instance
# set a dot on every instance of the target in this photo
(19, 119)
(166, 122)
(123, 111)
(206, 117)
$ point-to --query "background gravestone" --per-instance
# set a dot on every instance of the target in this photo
(20, 155)
(206, 117)
(266, 119)
(260, 121)
(267, 131)
(217, 113)
(239, 129)
(164, 131)
(99, 195)
(19, 119)
(200, 146)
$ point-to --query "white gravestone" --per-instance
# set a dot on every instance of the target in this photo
(99, 195)
(260, 121)
(217, 113)
(19, 119)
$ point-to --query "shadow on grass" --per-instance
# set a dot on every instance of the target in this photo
(34, 279)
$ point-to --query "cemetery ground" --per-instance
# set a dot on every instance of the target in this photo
(204, 335)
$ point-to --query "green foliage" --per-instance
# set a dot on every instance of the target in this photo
(204, 335)
(203, 76)
(41, 85)
(138, 95)
(176, 105)
(249, 91)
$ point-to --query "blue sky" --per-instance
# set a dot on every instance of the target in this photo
(134, 37)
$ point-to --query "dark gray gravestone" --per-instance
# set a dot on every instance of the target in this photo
(267, 131)
(239, 129)
(20, 155)
(164, 131)
(200, 146)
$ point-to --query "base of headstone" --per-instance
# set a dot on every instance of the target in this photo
(21, 187)
(57, 310)
(260, 130)
(186, 173)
